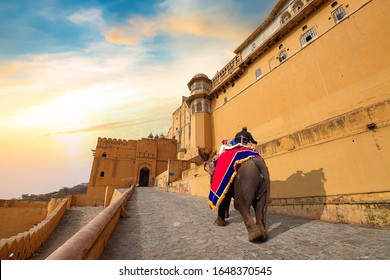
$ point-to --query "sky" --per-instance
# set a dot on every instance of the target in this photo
(72, 71)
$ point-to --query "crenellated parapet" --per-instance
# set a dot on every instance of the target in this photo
(113, 141)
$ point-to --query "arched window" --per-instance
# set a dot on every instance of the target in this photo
(334, 4)
(102, 174)
(199, 106)
(283, 56)
(206, 107)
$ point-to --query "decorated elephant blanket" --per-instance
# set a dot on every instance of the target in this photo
(225, 172)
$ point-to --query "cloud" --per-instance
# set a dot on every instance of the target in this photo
(173, 18)
(140, 29)
(122, 36)
(111, 125)
(92, 15)
(123, 83)
(112, 80)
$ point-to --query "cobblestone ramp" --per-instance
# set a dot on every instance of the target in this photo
(169, 226)
(72, 221)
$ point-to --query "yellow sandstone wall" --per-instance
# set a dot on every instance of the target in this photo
(321, 117)
(118, 164)
(340, 71)
(25, 242)
(195, 181)
(23, 214)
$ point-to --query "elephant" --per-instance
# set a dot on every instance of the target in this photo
(251, 187)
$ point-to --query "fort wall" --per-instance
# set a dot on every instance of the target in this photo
(22, 245)
(338, 72)
(320, 112)
(121, 163)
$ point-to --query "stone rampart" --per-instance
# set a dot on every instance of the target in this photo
(114, 141)
(24, 244)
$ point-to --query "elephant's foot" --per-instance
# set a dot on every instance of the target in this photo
(220, 222)
(257, 234)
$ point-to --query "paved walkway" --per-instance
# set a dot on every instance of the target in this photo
(172, 226)
(74, 219)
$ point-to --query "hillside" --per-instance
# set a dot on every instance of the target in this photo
(78, 189)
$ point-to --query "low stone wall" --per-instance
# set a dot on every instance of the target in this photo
(366, 209)
(24, 244)
(89, 242)
(195, 181)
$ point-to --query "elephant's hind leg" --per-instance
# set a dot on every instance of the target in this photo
(260, 207)
(255, 232)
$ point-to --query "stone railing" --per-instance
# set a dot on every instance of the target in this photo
(89, 242)
(23, 245)
(226, 71)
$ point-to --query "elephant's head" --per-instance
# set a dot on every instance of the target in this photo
(209, 166)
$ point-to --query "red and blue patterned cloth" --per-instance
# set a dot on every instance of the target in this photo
(225, 172)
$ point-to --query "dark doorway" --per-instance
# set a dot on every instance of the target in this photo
(144, 177)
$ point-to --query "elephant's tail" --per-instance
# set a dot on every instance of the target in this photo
(265, 183)
(264, 178)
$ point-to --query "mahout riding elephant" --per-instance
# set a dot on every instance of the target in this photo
(251, 187)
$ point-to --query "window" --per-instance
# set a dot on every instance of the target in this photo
(280, 46)
(102, 174)
(199, 106)
(297, 6)
(193, 109)
(200, 85)
(104, 154)
(258, 74)
(334, 4)
(283, 56)
(339, 14)
(253, 46)
(206, 107)
(308, 36)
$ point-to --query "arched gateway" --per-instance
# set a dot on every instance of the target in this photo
(144, 176)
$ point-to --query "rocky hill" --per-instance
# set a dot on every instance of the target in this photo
(78, 189)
